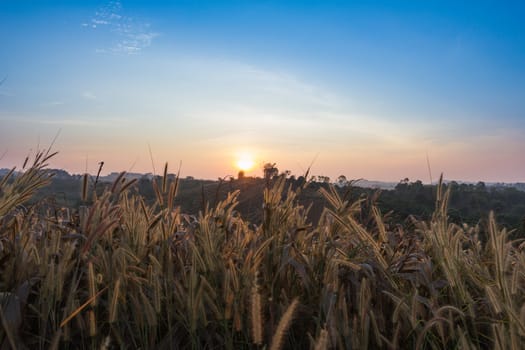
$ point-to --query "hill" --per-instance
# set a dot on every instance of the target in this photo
(469, 202)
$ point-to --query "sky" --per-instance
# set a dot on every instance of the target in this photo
(381, 90)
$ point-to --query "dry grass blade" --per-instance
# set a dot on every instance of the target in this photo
(434, 322)
(117, 181)
(114, 302)
(127, 184)
(283, 325)
(322, 341)
(158, 194)
(92, 284)
(84, 194)
(172, 193)
(82, 307)
(165, 178)
(7, 329)
(55, 342)
(256, 316)
(6, 177)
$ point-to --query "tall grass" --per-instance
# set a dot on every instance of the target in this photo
(125, 274)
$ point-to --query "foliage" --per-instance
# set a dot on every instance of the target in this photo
(469, 203)
(119, 271)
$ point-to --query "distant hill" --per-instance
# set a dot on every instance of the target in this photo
(376, 184)
(363, 183)
(4, 171)
(469, 202)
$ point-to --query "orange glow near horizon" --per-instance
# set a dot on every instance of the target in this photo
(462, 161)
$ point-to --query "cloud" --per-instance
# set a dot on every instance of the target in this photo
(262, 101)
(134, 42)
(227, 80)
(88, 95)
(6, 94)
(130, 35)
(106, 15)
(73, 121)
(52, 104)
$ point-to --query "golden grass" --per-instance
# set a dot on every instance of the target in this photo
(256, 316)
(127, 274)
(283, 325)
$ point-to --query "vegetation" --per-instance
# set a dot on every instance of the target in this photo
(119, 271)
(469, 203)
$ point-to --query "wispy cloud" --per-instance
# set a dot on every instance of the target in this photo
(6, 93)
(88, 95)
(270, 89)
(73, 121)
(52, 103)
(131, 35)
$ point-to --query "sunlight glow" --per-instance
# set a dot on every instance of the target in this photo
(245, 162)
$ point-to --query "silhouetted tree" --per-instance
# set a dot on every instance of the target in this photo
(324, 179)
(342, 181)
(270, 171)
(286, 173)
(480, 186)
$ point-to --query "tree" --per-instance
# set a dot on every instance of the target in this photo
(342, 181)
(480, 186)
(270, 171)
(322, 178)
(403, 184)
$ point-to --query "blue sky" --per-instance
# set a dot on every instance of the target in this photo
(366, 89)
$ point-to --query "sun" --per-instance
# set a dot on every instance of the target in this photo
(245, 162)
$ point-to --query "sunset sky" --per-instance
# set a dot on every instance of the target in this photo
(367, 89)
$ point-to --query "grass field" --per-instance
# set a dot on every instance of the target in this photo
(118, 272)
